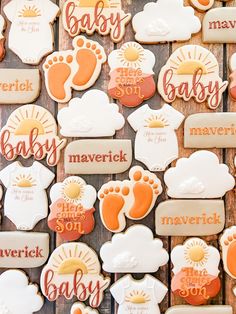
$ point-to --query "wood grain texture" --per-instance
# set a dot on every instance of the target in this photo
(100, 234)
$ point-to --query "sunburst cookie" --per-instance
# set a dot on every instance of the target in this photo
(73, 69)
(31, 24)
(131, 75)
(80, 308)
(132, 198)
(73, 263)
(156, 143)
(196, 271)
(72, 208)
(31, 130)
(26, 200)
(2, 38)
(138, 296)
(192, 71)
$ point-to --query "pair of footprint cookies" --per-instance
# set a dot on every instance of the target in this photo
(132, 198)
(73, 69)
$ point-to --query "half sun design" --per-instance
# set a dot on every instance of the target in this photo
(196, 253)
(24, 181)
(73, 190)
(156, 121)
(102, 3)
(137, 297)
(131, 55)
(67, 261)
(189, 61)
(27, 118)
(29, 11)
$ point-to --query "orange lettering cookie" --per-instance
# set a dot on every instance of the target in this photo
(132, 198)
(89, 16)
(73, 69)
(195, 271)
(72, 208)
(2, 38)
(31, 131)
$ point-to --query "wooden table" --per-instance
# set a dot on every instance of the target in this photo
(100, 234)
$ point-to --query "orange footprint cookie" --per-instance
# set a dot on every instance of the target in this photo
(228, 245)
(132, 198)
(73, 69)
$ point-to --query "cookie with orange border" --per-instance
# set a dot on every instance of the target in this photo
(79, 308)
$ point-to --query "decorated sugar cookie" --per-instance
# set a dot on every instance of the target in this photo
(73, 69)
(165, 21)
(232, 86)
(131, 75)
(192, 72)
(196, 271)
(89, 16)
(2, 38)
(92, 115)
(133, 198)
(207, 309)
(80, 308)
(17, 295)
(123, 254)
(74, 270)
(26, 201)
(194, 177)
(228, 245)
(72, 208)
(31, 23)
(138, 296)
(31, 131)
(203, 5)
(156, 143)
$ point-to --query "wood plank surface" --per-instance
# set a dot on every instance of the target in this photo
(100, 234)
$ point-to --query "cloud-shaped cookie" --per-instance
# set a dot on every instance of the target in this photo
(17, 295)
(90, 116)
(199, 176)
(135, 251)
(165, 20)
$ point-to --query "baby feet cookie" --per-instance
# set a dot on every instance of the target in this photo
(26, 201)
(196, 271)
(232, 85)
(17, 295)
(74, 270)
(92, 115)
(156, 143)
(80, 308)
(194, 177)
(123, 255)
(228, 246)
(31, 130)
(165, 21)
(131, 75)
(132, 198)
(72, 208)
(138, 296)
(192, 72)
(2, 38)
(31, 23)
(73, 69)
(89, 16)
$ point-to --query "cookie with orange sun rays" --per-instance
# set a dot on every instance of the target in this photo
(192, 72)
(73, 269)
(196, 271)
(80, 308)
(72, 208)
(31, 23)
(156, 143)
(131, 75)
(89, 16)
(132, 198)
(31, 131)
(138, 296)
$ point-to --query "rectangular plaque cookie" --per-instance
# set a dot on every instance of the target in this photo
(208, 309)
(19, 86)
(190, 217)
(98, 156)
(210, 130)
